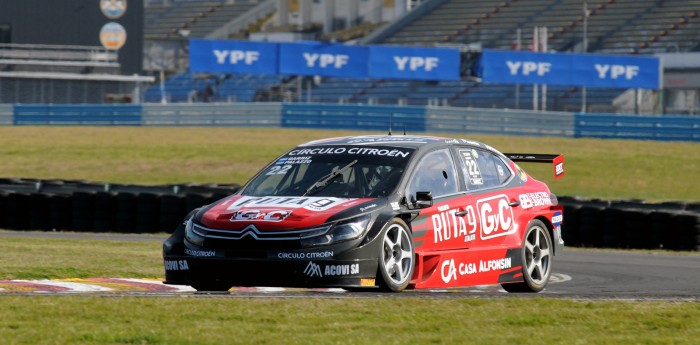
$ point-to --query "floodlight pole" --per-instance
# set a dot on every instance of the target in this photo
(535, 87)
(585, 50)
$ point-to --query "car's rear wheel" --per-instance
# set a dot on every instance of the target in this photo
(397, 257)
(536, 256)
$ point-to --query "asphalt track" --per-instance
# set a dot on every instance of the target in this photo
(578, 274)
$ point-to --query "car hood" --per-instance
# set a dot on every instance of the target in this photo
(275, 212)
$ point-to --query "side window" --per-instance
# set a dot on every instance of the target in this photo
(482, 169)
(434, 173)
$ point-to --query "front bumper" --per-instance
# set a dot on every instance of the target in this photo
(346, 264)
(188, 270)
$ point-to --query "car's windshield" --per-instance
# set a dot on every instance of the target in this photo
(337, 171)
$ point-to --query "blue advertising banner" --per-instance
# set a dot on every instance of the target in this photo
(316, 58)
(414, 63)
(233, 56)
(594, 70)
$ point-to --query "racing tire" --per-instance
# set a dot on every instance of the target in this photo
(536, 256)
(397, 259)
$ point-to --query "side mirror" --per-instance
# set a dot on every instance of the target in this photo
(424, 199)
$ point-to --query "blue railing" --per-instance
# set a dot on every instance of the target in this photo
(361, 117)
(679, 128)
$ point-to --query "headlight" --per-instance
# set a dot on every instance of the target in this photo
(343, 231)
(191, 236)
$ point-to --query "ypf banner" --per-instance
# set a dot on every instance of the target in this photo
(414, 63)
(316, 58)
(594, 70)
(233, 56)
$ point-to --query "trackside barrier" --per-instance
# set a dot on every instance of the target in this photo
(492, 121)
(207, 114)
(97, 207)
(353, 116)
(88, 114)
(666, 127)
(361, 117)
(49, 205)
(7, 112)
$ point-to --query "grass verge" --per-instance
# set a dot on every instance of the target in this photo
(393, 320)
(608, 169)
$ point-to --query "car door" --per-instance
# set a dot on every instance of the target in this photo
(438, 226)
(491, 207)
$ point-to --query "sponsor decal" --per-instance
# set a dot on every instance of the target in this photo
(452, 141)
(113, 36)
(176, 265)
(395, 206)
(315, 270)
(310, 203)
(113, 9)
(470, 142)
(342, 270)
(471, 168)
(559, 169)
(530, 200)
(447, 225)
(496, 217)
(557, 219)
(352, 150)
(367, 282)
(390, 139)
(257, 215)
(451, 271)
(302, 256)
(521, 173)
(294, 160)
(363, 209)
(200, 252)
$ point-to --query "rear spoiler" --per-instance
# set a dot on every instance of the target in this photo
(556, 160)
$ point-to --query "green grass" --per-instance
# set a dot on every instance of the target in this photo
(45, 258)
(392, 320)
(395, 319)
(608, 169)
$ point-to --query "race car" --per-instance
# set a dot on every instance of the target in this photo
(383, 212)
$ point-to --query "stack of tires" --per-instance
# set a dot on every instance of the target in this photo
(89, 208)
(631, 224)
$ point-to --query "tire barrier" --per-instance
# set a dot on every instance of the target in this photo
(76, 205)
(631, 224)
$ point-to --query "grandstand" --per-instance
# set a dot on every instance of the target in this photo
(611, 26)
(31, 73)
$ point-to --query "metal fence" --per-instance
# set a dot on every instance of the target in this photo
(361, 117)
(353, 116)
(643, 127)
(499, 121)
(207, 114)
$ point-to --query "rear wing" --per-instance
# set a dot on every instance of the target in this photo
(556, 160)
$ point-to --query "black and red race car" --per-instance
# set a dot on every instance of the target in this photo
(384, 212)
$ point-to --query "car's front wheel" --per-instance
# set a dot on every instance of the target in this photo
(536, 256)
(397, 256)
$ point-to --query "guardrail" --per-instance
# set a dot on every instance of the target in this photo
(353, 116)
(644, 127)
(206, 114)
(361, 117)
(92, 114)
